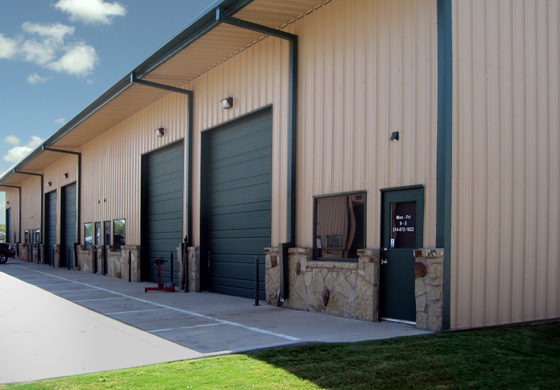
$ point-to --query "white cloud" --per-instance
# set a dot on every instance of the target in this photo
(46, 45)
(8, 47)
(91, 11)
(12, 140)
(52, 32)
(16, 153)
(60, 121)
(51, 39)
(35, 141)
(34, 78)
(79, 60)
(37, 52)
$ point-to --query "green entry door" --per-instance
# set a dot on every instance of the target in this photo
(402, 232)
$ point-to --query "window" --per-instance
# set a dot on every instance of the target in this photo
(88, 235)
(36, 236)
(340, 226)
(107, 233)
(119, 234)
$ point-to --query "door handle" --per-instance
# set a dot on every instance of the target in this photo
(384, 261)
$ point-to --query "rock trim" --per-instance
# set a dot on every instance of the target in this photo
(429, 289)
(340, 288)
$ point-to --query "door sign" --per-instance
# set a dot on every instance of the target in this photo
(403, 225)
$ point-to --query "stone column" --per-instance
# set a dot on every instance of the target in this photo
(193, 268)
(42, 254)
(429, 289)
(85, 258)
(366, 298)
(135, 266)
(272, 276)
(100, 257)
(56, 255)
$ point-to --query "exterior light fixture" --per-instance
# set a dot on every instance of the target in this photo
(394, 136)
(66, 175)
(227, 103)
(49, 183)
(159, 132)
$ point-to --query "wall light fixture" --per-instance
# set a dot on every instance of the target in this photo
(227, 102)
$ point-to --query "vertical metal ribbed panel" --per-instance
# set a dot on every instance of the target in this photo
(111, 163)
(506, 186)
(12, 202)
(366, 68)
(30, 205)
(55, 174)
(256, 77)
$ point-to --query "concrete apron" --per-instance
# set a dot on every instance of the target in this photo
(56, 322)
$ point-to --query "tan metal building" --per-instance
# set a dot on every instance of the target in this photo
(384, 159)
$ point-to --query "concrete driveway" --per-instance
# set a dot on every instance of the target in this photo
(55, 322)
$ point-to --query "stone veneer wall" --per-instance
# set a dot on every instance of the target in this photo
(341, 288)
(429, 289)
(117, 263)
(85, 259)
(193, 269)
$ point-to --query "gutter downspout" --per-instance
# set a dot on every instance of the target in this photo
(78, 187)
(42, 200)
(188, 140)
(444, 148)
(19, 209)
(292, 134)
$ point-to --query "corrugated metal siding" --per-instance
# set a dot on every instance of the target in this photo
(111, 163)
(12, 202)
(31, 204)
(54, 173)
(506, 186)
(366, 68)
(254, 78)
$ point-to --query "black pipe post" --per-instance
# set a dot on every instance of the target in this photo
(186, 267)
(129, 266)
(257, 281)
(171, 261)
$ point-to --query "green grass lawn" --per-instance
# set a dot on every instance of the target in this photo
(521, 357)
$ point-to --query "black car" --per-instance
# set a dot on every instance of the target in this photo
(6, 251)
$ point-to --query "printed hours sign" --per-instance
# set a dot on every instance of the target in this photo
(403, 225)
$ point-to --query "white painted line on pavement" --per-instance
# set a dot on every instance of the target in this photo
(183, 328)
(250, 328)
(96, 299)
(132, 311)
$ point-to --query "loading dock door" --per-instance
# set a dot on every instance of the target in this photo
(239, 203)
(163, 191)
(50, 226)
(68, 228)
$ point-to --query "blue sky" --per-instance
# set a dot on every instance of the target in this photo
(58, 56)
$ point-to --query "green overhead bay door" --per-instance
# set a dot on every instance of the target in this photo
(238, 173)
(50, 226)
(163, 210)
(68, 225)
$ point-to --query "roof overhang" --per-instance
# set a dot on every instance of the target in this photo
(202, 45)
